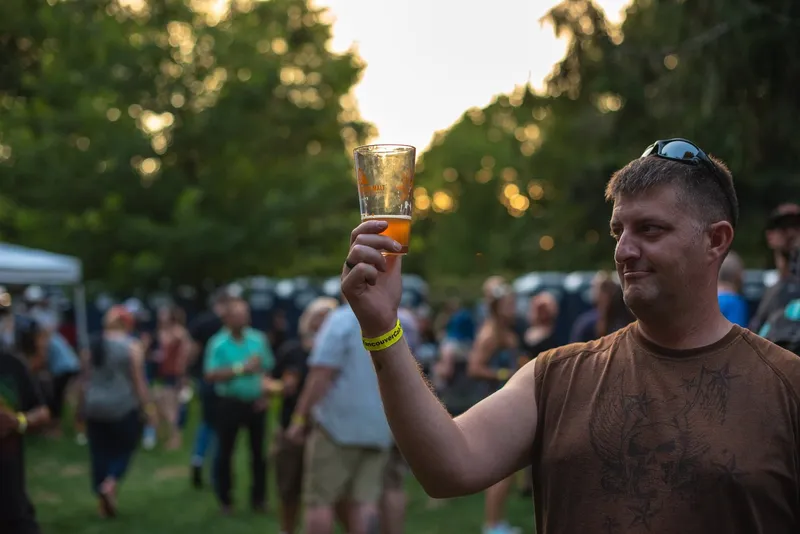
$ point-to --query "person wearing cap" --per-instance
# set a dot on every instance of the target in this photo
(783, 238)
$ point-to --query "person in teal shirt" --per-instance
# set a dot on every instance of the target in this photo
(238, 359)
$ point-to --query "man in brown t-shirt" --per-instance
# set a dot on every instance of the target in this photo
(679, 423)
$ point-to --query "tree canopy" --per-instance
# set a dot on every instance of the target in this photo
(721, 74)
(164, 140)
(191, 141)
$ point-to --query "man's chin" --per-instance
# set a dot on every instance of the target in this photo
(636, 299)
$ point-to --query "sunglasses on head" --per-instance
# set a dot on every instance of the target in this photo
(686, 152)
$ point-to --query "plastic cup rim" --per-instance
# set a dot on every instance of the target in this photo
(368, 149)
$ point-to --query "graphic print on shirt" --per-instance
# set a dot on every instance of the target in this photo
(649, 447)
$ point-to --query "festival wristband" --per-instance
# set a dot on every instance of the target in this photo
(23, 423)
(385, 341)
(503, 375)
(298, 419)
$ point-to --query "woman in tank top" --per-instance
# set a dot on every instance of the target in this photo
(115, 393)
(492, 362)
(540, 336)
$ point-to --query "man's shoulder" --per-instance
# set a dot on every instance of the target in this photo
(218, 339)
(785, 364)
(596, 348)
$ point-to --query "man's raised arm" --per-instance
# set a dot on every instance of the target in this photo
(449, 457)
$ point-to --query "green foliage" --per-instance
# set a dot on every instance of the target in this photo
(159, 140)
(724, 75)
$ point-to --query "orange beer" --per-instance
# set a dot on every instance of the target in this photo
(399, 229)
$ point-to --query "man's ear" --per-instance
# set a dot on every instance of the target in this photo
(720, 238)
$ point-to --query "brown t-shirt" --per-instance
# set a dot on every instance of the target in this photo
(635, 438)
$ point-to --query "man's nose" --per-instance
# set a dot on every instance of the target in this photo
(627, 249)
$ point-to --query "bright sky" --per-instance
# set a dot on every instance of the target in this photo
(430, 60)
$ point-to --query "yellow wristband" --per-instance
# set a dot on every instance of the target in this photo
(23, 423)
(374, 344)
(503, 375)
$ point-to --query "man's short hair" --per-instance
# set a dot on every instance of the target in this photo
(706, 192)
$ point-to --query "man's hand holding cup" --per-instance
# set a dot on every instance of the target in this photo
(371, 281)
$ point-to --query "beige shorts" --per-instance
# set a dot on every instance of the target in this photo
(334, 472)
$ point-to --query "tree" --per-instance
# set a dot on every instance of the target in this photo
(165, 140)
(722, 75)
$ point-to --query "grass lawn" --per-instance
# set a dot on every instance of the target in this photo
(156, 498)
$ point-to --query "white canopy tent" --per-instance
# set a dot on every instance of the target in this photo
(21, 265)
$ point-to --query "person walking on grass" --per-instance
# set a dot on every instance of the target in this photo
(115, 396)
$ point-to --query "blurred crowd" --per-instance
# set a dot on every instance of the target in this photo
(331, 448)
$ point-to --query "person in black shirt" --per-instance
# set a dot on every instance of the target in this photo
(201, 330)
(291, 368)
(22, 407)
(783, 238)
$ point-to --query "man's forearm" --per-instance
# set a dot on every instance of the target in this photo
(431, 442)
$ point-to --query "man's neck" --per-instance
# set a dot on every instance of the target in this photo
(695, 326)
(237, 333)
